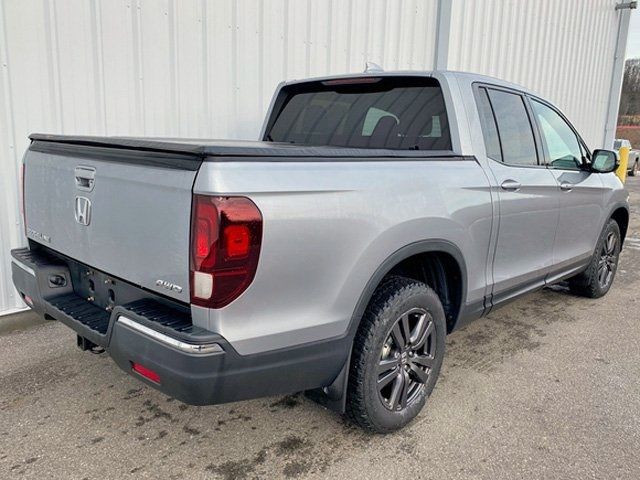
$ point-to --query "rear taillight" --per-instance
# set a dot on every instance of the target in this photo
(22, 204)
(226, 233)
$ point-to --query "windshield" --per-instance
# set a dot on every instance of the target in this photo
(402, 113)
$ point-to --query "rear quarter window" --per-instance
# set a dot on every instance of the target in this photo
(402, 113)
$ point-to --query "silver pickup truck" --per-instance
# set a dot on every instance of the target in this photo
(379, 212)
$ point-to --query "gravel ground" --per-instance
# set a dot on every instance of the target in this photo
(547, 387)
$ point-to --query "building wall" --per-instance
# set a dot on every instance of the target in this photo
(199, 68)
(562, 49)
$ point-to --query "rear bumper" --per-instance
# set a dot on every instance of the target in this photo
(195, 366)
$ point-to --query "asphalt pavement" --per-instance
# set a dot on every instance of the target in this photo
(547, 387)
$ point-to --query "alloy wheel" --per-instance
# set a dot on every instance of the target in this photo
(406, 359)
(608, 260)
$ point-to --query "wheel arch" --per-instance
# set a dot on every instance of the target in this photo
(620, 213)
(433, 247)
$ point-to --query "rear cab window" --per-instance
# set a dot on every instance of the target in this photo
(506, 127)
(400, 113)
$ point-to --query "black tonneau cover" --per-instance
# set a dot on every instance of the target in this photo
(213, 150)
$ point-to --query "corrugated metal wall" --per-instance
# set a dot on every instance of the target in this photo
(201, 68)
(191, 68)
(562, 49)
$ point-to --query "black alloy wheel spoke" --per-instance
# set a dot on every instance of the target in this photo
(406, 331)
(387, 364)
(611, 243)
(398, 338)
(427, 327)
(423, 360)
(405, 390)
(420, 375)
(396, 390)
(385, 379)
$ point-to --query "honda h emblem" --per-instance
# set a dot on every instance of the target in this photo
(83, 210)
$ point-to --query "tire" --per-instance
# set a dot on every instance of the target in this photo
(597, 279)
(411, 369)
(635, 170)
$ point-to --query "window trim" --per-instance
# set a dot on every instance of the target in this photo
(584, 149)
(537, 139)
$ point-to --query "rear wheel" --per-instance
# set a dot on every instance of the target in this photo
(397, 355)
(597, 279)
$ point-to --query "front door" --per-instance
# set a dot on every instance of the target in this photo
(581, 192)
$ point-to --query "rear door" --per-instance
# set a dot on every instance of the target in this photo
(581, 192)
(124, 212)
(527, 193)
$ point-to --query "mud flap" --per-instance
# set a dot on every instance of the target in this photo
(334, 396)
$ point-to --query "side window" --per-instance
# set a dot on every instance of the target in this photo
(514, 128)
(562, 143)
(488, 123)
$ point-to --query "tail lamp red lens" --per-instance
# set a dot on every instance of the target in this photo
(145, 372)
(226, 233)
(237, 241)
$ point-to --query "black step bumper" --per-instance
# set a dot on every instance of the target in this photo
(194, 365)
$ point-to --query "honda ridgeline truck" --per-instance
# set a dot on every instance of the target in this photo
(378, 213)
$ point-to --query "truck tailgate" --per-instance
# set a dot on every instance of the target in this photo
(124, 211)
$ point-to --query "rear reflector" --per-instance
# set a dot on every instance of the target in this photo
(145, 372)
(28, 300)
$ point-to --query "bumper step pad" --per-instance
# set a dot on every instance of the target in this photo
(93, 317)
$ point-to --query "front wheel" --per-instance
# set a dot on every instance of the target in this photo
(397, 355)
(597, 279)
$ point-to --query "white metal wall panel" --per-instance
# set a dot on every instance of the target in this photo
(193, 68)
(562, 49)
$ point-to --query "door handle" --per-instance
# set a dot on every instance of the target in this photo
(85, 178)
(510, 185)
(566, 186)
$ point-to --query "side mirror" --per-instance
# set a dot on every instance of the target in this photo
(604, 161)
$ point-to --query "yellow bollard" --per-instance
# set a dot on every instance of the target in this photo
(621, 172)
